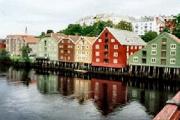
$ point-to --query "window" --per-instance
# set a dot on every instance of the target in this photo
(61, 46)
(144, 53)
(153, 60)
(173, 52)
(115, 61)
(106, 40)
(154, 46)
(61, 57)
(115, 46)
(97, 46)
(105, 46)
(144, 60)
(140, 47)
(69, 51)
(172, 60)
(45, 43)
(97, 60)
(68, 58)
(164, 40)
(106, 34)
(99, 40)
(153, 52)
(62, 51)
(112, 40)
(97, 53)
(115, 54)
(127, 48)
(131, 47)
(173, 46)
(135, 59)
(68, 41)
(135, 47)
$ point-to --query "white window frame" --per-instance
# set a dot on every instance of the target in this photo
(135, 59)
(99, 40)
(115, 54)
(172, 59)
(97, 53)
(153, 60)
(173, 46)
(115, 61)
(153, 47)
(97, 46)
(116, 47)
(172, 51)
(153, 51)
(97, 60)
(112, 40)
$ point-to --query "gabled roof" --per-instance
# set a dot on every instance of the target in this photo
(126, 37)
(27, 38)
(91, 40)
(74, 38)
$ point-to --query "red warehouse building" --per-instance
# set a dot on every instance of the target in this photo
(2, 44)
(113, 47)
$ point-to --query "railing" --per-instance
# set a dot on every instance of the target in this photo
(171, 111)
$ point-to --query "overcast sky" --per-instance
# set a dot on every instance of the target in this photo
(40, 15)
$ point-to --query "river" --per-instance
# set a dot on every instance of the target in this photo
(30, 95)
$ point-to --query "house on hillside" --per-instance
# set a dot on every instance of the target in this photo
(113, 47)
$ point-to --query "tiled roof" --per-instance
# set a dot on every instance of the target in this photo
(126, 37)
(74, 38)
(27, 38)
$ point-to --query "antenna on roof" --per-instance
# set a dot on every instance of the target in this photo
(26, 30)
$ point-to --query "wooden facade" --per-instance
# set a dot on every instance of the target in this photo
(113, 47)
(66, 48)
(83, 49)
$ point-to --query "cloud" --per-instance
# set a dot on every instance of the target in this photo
(40, 15)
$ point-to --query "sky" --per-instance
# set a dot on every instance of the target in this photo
(40, 15)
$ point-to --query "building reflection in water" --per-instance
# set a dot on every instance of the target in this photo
(21, 76)
(65, 85)
(82, 89)
(47, 84)
(108, 94)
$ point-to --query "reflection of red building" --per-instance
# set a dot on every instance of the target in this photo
(108, 94)
(65, 85)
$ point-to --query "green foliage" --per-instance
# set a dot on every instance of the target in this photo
(123, 25)
(149, 36)
(42, 34)
(166, 30)
(176, 31)
(25, 50)
(49, 31)
(91, 30)
(4, 55)
(73, 29)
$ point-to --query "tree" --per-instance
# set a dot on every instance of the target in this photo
(149, 36)
(123, 25)
(25, 50)
(4, 55)
(49, 31)
(176, 30)
(42, 34)
(73, 29)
